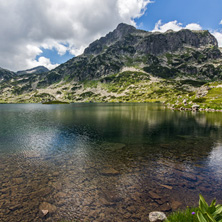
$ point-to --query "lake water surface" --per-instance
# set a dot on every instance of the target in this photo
(105, 162)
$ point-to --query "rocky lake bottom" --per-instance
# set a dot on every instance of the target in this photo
(105, 162)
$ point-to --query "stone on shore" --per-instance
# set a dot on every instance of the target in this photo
(195, 107)
(157, 216)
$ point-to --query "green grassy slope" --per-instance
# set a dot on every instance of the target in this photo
(127, 86)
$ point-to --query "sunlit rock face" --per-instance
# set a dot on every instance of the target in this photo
(111, 53)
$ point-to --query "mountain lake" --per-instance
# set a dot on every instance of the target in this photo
(105, 162)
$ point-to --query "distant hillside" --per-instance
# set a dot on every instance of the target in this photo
(35, 70)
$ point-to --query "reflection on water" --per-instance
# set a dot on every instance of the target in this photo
(105, 162)
(215, 160)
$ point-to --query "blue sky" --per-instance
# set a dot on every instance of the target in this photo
(54, 56)
(207, 13)
(50, 32)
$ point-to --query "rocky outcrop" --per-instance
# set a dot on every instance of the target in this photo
(118, 34)
(195, 107)
(160, 43)
(6, 74)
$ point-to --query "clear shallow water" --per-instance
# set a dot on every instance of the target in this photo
(105, 162)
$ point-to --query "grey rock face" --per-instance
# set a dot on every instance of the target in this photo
(5, 74)
(152, 43)
(159, 43)
(118, 34)
(126, 44)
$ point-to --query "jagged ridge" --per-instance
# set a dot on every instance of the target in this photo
(127, 46)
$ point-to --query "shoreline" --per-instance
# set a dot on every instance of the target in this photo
(195, 109)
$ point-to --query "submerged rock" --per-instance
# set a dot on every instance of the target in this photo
(165, 207)
(45, 212)
(175, 205)
(47, 207)
(189, 177)
(166, 186)
(109, 172)
(154, 195)
(113, 146)
(18, 180)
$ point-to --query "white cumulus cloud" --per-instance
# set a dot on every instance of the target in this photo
(175, 26)
(218, 36)
(193, 26)
(28, 27)
(131, 7)
(41, 61)
(220, 22)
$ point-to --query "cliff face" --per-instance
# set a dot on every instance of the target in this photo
(158, 43)
(118, 34)
(151, 43)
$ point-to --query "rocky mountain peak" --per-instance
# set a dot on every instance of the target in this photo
(151, 42)
(123, 29)
(118, 34)
(128, 46)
